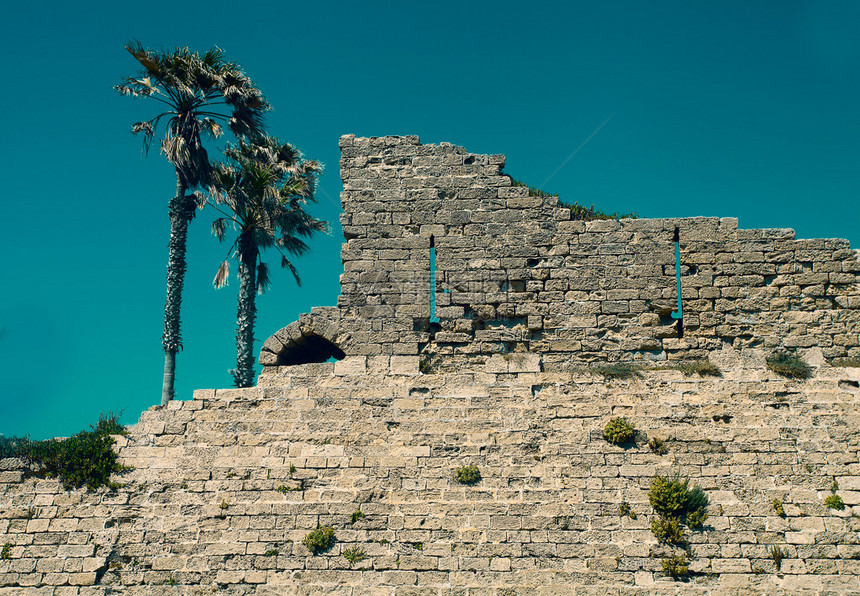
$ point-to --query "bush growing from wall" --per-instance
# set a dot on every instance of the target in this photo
(86, 459)
(618, 431)
(320, 539)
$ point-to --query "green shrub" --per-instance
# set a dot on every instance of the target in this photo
(618, 431)
(676, 566)
(777, 506)
(788, 365)
(668, 530)
(672, 497)
(6, 553)
(14, 446)
(658, 446)
(578, 212)
(357, 515)
(287, 489)
(835, 502)
(668, 496)
(272, 552)
(108, 424)
(320, 539)
(696, 499)
(467, 474)
(777, 554)
(696, 518)
(354, 555)
(84, 459)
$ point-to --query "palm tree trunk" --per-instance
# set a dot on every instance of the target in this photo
(181, 212)
(247, 311)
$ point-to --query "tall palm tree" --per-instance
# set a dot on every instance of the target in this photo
(262, 192)
(197, 95)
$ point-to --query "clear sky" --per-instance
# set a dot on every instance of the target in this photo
(734, 109)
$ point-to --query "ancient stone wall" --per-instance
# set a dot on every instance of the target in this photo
(516, 274)
(226, 487)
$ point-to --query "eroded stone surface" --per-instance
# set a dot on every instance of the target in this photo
(235, 474)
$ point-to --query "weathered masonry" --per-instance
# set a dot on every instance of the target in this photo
(514, 273)
(226, 487)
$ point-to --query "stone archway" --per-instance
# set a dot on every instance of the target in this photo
(307, 349)
(313, 338)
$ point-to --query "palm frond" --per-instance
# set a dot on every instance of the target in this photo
(221, 277)
(219, 227)
(263, 282)
(293, 245)
(286, 264)
(144, 56)
(211, 128)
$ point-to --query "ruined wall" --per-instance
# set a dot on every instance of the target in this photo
(226, 487)
(515, 273)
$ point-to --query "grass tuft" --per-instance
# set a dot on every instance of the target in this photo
(620, 370)
(788, 365)
(354, 555)
(777, 554)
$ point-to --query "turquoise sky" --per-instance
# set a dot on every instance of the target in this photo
(741, 109)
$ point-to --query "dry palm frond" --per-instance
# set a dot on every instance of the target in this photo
(221, 277)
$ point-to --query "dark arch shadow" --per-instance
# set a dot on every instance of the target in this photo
(308, 349)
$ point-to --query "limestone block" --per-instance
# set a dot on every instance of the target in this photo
(351, 365)
(404, 365)
(520, 363)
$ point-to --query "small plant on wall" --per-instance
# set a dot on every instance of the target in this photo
(320, 539)
(777, 506)
(467, 474)
(777, 554)
(354, 555)
(658, 446)
(676, 566)
(834, 502)
(619, 432)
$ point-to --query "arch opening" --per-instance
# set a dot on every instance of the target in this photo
(308, 349)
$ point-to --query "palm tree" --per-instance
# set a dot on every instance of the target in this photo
(198, 94)
(262, 192)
